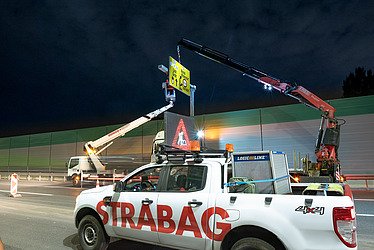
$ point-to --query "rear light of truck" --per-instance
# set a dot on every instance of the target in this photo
(345, 225)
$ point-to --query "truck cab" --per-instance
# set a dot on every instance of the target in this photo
(78, 167)
(82, 167)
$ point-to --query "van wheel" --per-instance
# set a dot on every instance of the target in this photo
(91, 234)
(251, 243)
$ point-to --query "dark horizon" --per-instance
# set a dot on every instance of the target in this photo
(68, 65)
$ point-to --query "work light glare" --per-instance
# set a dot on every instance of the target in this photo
(200, 134)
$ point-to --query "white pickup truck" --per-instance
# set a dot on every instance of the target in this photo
(185, 202)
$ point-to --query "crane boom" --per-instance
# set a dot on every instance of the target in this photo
(290, 89)
(327, 141)
(91, 147)
(127, 127)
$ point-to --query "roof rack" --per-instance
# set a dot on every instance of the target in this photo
(173, 154)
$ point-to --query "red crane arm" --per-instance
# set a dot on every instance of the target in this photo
(327, 141)
(290, 89)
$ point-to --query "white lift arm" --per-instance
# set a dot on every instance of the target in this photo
(91, 147)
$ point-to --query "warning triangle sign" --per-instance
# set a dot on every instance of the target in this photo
(181, 139)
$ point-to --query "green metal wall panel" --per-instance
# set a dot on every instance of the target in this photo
(61, 137)
(110, 128)
(160, 125)
(5, 143)
(150, 128)
(199, 122)
(4, 159)
(39, 157)
(128, 146)
(354, 106)
(147, 146)
(89, 134)
(61, 153)
(80, 148)
(18, 158)
(231, 119)
(288, 113)
(20, 141)
(40, 139)
(134, 133)
(51, 150)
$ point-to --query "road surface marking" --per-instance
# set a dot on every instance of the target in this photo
(364, 199)
(7, 191)
(73, 188)
(365, 215)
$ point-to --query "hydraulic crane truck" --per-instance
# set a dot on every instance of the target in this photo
(91, 166)
(327, 165)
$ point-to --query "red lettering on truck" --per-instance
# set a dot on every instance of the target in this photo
(146, 212)
(187, 213)
(225, 227)
(103, 213)
(164, 214)
(127, 212)
(165, 223)
(114, 206)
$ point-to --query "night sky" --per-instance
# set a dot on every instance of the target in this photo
(74, 64)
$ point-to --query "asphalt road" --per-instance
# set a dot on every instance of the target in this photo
(43, 218)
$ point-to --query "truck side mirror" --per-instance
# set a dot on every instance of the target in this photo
(107, 200)
(118, 186)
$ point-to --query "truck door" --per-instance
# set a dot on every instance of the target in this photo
(136, 206)
(181, 205)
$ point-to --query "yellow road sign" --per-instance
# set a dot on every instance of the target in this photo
(179, 76)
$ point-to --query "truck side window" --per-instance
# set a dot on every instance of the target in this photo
(144, 181)
(186, 178)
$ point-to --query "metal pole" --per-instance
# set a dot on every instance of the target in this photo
(28, 157)
(261, 133)
(50, 153)
(10, 146)
(192, 100)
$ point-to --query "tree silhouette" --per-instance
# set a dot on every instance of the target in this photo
(358, 84)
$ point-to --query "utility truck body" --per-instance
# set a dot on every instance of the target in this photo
(193, 201)
(81, 167)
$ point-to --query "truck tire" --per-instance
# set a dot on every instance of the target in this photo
(251, 243)
(76, 180)
(91, 234)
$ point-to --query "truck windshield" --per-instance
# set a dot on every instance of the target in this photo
(73, 163)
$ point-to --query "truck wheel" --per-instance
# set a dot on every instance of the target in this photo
(251, 243)
(91, 234)
(76, 180)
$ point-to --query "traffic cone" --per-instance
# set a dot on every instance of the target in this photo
(97, 183)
